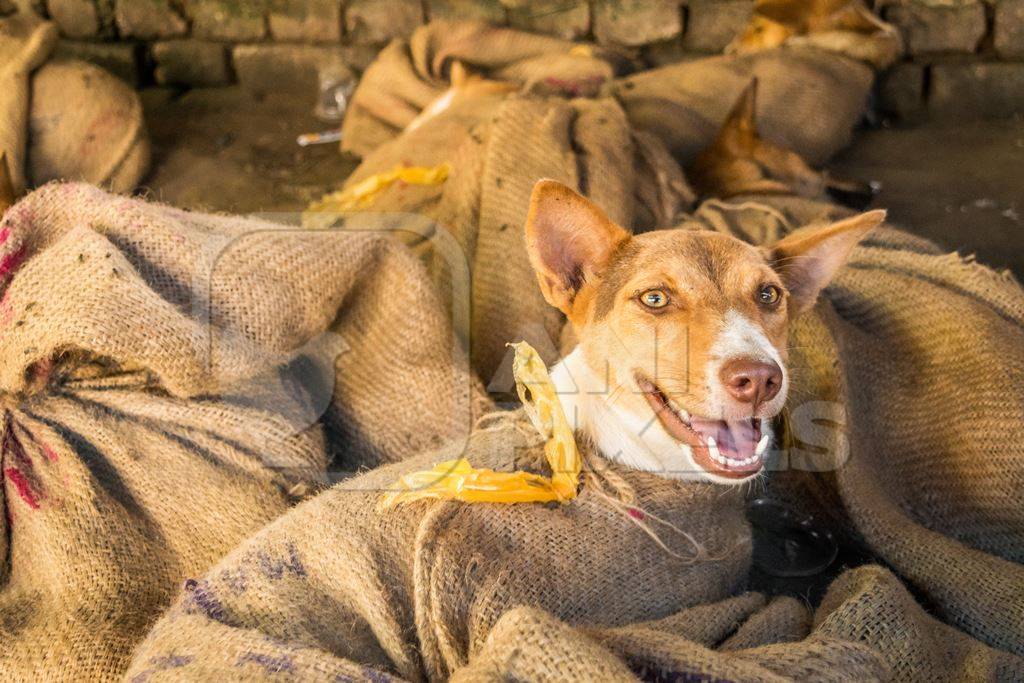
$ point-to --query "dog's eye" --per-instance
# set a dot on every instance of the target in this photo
(654, 298)
(769, 295)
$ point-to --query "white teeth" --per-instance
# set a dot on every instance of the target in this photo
(715, 454)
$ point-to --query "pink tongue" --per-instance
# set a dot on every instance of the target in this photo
(735, 439)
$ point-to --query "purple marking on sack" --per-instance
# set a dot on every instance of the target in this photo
(375, 676)
(275, 568)
(23, 487)
(164, 663)
(202, 599)
(690, 677)
(369, 674)
(235, 579)
(270, 663)
(170, 662)
(5, 233)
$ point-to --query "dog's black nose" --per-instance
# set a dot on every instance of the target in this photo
(751, 381)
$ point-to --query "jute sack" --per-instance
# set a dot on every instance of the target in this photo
(65, 119)
(408, 75)
(343, 588)
(464, 226)
(86, 124)
(606, 587)
(583, 143)
(25, 44)
(615, 150)
(916, 358)
(809, 98)
(480, 592)
(167, 381)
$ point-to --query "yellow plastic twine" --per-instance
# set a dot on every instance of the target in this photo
(458, 480)
(362, 194)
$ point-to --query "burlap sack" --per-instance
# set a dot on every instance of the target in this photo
(86, 124)
(342, 588)
(809, 98)
(25, 44)
(409, 75)
(615, 150)
(65, 119)
(472, 221)
(168, 378)
(583, 143)
(901, 465)
(915, 355)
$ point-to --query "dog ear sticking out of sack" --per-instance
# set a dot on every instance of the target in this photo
(741, 162)
(7, 196)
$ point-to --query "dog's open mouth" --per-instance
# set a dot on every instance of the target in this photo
(733, 449)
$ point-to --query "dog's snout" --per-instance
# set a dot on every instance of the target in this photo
(751, 381)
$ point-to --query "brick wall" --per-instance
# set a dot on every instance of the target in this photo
(965, 57)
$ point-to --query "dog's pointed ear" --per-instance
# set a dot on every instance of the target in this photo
(808, 258)
(569, 240)
(740, 127)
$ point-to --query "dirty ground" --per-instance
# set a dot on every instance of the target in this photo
(221, 150)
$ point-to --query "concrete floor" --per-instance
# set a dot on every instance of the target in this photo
(961, 185)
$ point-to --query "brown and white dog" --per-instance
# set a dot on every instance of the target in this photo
(681, 360)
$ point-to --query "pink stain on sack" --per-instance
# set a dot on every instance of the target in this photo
(5, 233)
(50, 454)
(12, 445)
(18, 450)
(23, 487)
(575, 87)
(11, 262)
(636, 513)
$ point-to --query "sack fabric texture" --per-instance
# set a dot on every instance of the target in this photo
(641, 577)
(578, 115)
(65, 119)
(173, 381)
